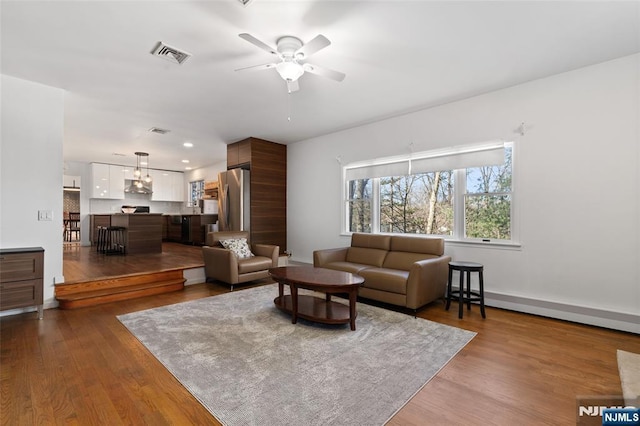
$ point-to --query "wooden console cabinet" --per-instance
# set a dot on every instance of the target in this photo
(21, 278)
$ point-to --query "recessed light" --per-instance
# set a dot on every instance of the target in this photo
(188, 144)
(187, 168)
(185, 161)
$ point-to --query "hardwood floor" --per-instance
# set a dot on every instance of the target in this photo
(81, 263)
(83, 367)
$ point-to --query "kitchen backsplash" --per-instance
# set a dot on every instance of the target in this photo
(98, 206)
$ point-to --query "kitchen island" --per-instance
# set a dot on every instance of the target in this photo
(188, 228)
(144, 231)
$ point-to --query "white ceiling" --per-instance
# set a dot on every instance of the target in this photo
(398, 57)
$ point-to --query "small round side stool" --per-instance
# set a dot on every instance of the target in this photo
(466, 296)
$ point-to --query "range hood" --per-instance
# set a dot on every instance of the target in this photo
(137, 187)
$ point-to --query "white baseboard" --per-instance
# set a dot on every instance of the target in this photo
(582, 314)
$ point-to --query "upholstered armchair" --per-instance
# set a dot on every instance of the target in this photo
(234, 265)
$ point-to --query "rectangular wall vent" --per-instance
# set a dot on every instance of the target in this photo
(171, 53)
(159, 130)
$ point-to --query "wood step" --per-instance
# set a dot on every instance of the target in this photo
(90, 293)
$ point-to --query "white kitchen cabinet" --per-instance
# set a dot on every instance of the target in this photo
(107, 181)
(127, 172)
(177, 185)
(160, 185)
(116, 181)
(167, 185)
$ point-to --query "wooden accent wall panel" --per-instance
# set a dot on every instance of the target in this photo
(268, 165)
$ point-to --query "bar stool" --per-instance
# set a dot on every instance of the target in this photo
(111, 240)
(466, 268)
(116, 240)
(103, 235)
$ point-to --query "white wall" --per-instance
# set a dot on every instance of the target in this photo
(577, 185)
(209, 173)
(31, 173)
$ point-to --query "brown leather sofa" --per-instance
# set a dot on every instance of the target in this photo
(402, 270)
(223, 265)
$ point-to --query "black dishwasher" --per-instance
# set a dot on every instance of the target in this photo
(187, 238)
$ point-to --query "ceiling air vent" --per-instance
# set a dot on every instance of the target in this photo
(159, 130)
(171, 53)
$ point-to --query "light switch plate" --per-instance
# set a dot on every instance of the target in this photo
(45, 215)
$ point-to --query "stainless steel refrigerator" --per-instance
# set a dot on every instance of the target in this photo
(234, 197)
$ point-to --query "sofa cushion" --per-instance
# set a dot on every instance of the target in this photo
(417, 244)
(374, 241)
(253, 264)
(354, 268)
(391, 280)
(404, 260)
(366, 256)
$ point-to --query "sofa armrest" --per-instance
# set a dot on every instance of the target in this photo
(427, 281)
(322, 257)
(220, 264)
(267, 250)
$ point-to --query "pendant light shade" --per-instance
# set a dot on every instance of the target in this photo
(141, 183)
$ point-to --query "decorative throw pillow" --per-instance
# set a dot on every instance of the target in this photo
(239, 247)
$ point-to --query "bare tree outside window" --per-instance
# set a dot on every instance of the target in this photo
(359, 205)
(417, 204)
(424, 203)
(488, 201)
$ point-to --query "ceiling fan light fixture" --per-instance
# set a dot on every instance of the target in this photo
(289, 70)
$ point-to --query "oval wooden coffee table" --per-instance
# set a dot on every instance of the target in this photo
(314, 308)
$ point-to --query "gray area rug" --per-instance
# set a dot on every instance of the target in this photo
(629, 368)
(248, 365)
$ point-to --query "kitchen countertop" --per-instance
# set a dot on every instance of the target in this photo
(136, 214)
(189, 214)
(126, 214)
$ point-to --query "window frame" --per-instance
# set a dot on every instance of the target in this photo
(459, 219)
(199, 192)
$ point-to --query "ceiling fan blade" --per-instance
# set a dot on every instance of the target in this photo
(292, 86)
(262, 45)
(319, 42)
(324, 72)
(257, 67)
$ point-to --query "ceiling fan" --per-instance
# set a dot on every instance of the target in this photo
(293, 54)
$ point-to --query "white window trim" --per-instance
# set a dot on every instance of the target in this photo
(460, 180)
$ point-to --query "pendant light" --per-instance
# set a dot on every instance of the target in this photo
(141, 184)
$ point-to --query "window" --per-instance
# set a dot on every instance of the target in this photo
(196, 191)
(359, 205)
(417, 204)
(487, 201)
(462, 193)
